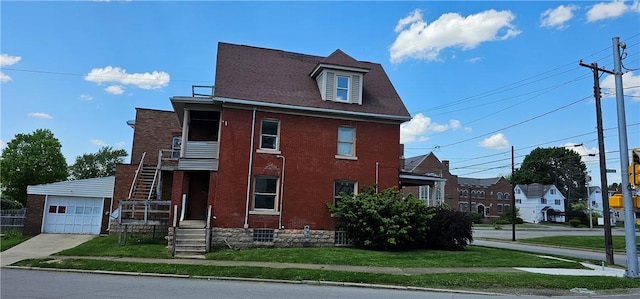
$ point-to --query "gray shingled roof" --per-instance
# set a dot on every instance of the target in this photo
(478, 182)
(279, 77)
(534, 190)
(410, 164)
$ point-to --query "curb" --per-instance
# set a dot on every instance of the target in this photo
(223, 278)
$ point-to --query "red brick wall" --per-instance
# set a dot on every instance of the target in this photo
(309, 145)
(154, 131)
(122, 184)
(33, 217)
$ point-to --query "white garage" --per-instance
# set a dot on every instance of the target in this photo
(74, 207)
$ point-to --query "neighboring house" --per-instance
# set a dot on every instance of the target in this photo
(490, 197)
(540, 203)
(595, 203)
(71, 207)
(256, 162)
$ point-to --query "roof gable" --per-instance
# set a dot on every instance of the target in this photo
(278, 77)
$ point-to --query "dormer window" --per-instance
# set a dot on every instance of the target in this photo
(339, 78)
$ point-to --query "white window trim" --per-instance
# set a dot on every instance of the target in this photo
(270, 150)
(261, 211)
(353, 145)
(349, 86)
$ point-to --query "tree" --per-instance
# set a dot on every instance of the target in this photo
(556, 165)
(100, 164)
(31, 159)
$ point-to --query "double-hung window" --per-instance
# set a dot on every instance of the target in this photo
(176, 144)
(343, 187)
(265, 193)
(342, 88)
(346, 141)
(269, 134)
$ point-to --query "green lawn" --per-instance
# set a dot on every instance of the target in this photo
(136, 246)
(141, 246)
(588, 242)
(474, 256)
(10, 239)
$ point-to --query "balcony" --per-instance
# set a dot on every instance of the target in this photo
(199, 155)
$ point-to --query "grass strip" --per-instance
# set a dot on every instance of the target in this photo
(484, 281)
(473, 256)
(587, 242)
(143, 246)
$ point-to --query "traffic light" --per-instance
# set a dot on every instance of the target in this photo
(634, 167)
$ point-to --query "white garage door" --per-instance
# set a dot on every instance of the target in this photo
(73, 215)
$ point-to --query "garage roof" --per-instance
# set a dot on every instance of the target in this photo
(96, 187)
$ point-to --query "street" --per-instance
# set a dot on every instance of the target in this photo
(19, 283)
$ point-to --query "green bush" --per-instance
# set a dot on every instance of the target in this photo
(382, 221)
(10, 204)
(449, 230)
(575, 222)
(507, 220)
(475, 217)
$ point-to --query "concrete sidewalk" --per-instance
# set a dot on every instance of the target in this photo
(40, 246)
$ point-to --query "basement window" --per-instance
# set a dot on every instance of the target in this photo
(263, 235)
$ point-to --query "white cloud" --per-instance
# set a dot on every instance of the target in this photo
(608, 10)
(2, 144)
(630, 83)
(474, 59)
(417, 128)
(39, 115)
(587, 155)
(86, 97)
(109, 74)
(97, 142)
(497, 141)
(120, 144)
(114, 89)
(557, 17)
(6, 60)
(419, 40)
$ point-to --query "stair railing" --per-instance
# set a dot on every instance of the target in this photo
(155, 175)
(135, 177)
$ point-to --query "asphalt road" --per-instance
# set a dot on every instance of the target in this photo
(20, 283)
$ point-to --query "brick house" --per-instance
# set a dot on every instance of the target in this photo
(255, 163)
(490, 197)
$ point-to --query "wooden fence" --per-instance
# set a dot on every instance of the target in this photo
(12, 220)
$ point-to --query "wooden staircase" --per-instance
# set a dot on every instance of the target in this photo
(144, 186)
(190, 239)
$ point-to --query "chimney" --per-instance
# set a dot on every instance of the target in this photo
(445, 163)
(401, 163)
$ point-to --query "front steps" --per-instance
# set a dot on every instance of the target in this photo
(190, 239)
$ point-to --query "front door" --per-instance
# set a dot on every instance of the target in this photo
(197, 197)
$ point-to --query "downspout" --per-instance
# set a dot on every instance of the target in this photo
(253, 131)
(281, 191)
(110, 211)
(377, 174)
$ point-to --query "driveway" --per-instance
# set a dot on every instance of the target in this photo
(42, 245)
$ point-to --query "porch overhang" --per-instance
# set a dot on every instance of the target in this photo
(410, 179)
(180, 103)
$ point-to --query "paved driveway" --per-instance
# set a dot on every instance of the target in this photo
(40, 246)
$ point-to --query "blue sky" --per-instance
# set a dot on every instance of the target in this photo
(477, 77)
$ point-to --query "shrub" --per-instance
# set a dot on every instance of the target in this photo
(475, 217)
(449, 230)
(575, 222)
(382, 220)
(10, 204)
(507, 220)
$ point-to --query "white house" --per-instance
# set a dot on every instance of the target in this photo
(540, 203)
(595, 202)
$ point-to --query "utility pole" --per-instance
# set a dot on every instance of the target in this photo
(608, 243)
(629, 217)
(513, 196)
